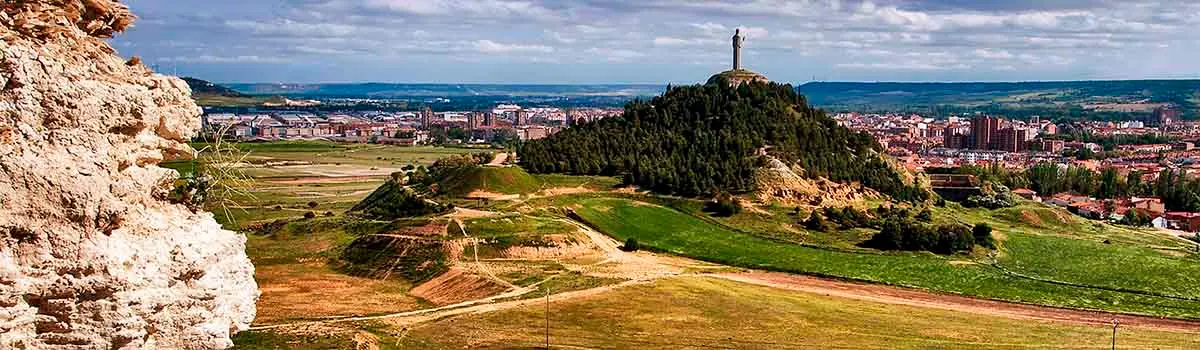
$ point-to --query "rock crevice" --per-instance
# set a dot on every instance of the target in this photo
(91, 254)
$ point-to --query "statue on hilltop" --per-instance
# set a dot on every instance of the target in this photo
(737, 48)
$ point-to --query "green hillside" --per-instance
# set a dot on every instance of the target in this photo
(210, 94)
(1034, 267)
(462, 181)
(458, 176)
(703, 139)
(394, 200)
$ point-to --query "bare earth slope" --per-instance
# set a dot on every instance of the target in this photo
(92, 256)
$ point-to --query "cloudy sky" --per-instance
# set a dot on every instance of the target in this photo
(659, 41)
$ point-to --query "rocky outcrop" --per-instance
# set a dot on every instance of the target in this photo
(92, 255)
(776, 182)
(738, 77)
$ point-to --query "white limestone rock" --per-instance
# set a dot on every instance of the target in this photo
(92, 256)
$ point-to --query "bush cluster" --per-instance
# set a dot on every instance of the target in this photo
(724, 205)
(903, 233)
(997, 197)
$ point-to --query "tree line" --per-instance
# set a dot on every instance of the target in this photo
(1178, 190)
(702, 140)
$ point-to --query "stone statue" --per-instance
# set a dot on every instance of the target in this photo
(737, 48)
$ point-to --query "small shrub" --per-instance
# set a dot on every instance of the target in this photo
(925, 215)
(631, 245)
(723, 206)
(312, 204)
(982, 233)
(310, 215)
(278, 207)
(328, 214)
(816, 222)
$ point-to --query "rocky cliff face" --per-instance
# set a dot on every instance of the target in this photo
(780, 183)
(92, 256)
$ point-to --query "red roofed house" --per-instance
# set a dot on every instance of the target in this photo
(1027, 194)
(1189, 222)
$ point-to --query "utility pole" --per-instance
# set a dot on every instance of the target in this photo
(548, 318)
(1115, 323)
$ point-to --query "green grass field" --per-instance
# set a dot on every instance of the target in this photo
(696, 312)
(679, 233)
(502, 180)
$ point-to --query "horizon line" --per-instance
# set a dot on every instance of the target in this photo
(700, 82)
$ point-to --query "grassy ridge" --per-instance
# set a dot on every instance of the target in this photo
(505, 180)
(683, 234)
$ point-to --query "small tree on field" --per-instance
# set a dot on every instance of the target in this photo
(816, 222)
(983, 235)
(631, 245)
(312, 204)
(925, 215)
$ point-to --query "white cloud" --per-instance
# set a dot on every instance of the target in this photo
(993, 54)
(223, 59)
(670, 41)
(560, 37)
(488, 46)
(615, 55)
(470, 8)
(904, 66)
(787, 39)
(711, 28)
(287, 27)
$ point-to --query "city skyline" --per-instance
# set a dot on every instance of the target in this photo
(662, 41)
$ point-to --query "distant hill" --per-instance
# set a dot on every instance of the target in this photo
(204, 87)
(1066, 99)
(391, 90)
(704, 139)
(209, 94)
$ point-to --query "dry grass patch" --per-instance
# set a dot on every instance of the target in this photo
(303, 291)
(455, 286)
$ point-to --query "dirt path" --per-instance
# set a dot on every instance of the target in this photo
(918, 298)
(304, 180)
(498, 160)
(488, 304)
(465, 213)
(482, 267)
(1183, 236)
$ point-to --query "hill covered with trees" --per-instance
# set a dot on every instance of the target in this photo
(704, 139)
